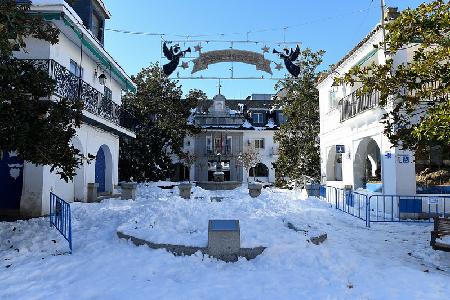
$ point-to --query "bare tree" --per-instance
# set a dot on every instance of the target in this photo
(249, 159)
(188, 160)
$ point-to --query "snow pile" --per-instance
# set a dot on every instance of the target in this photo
(271, 124)
(354, 262)
(57, 2)
(247, 124)
(48, 2)
(170, 219)
(444, 240)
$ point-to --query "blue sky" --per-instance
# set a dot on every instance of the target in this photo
(331, 25)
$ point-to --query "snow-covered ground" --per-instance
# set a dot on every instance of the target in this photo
(386, 261)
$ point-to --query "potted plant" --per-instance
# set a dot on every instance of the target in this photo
(188, 161)
(249, 159)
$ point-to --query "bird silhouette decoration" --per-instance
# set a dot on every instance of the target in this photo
(289, 58)
(173, 54)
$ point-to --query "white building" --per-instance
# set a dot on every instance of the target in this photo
(354, 150)
(230, 127)
(82, 69)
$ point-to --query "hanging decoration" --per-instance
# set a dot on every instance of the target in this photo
(173, 54)
(289, 59)
(261, 54)
(231, 55)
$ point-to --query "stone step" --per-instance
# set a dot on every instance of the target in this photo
(107, 196)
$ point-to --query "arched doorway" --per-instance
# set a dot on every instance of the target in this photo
(11, 180)
(103, 170)
(367, 165)
(260, 170)
(334, 165)
(180, 173)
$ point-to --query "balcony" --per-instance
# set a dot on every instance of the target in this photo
(356, 103)
(225, 153)
(72, 87)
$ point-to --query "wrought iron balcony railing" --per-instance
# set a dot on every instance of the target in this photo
(356, 103)
(72, 87)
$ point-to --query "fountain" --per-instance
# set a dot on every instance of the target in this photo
(219, 182)
(219, 175)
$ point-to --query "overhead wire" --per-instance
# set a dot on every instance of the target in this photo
(246, 33)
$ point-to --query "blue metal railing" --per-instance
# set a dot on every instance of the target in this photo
(408, 208)
(60, 217)
(373, 208)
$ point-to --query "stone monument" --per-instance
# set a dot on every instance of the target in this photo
(224, 239)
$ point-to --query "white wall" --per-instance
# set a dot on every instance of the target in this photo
(267, 157)
(39, 181)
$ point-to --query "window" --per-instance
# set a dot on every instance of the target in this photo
(259, 144)
(108, 94)
(332, 99)
(97, 27)
(75, 69)
(218, 145)
(208, 144)
(258, 118)
(228, 144)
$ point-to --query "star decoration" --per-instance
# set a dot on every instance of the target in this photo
(265, 49)
(278, 66)
(185, 65)
(198, 48)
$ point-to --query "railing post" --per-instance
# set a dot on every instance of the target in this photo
(335, 198)
(368, 211)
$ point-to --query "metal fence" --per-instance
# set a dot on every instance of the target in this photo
(373, 208)
(60, 217)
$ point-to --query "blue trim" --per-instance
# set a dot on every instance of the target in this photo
(100, 170)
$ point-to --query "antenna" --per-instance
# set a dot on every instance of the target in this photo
(383, 7)
(219, 86)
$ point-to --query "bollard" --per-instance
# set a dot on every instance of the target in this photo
(128, 190)
(92, 192)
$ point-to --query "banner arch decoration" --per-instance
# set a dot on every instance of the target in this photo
(188, 60)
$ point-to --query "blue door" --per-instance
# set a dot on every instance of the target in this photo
(100, 166)
(11, 181)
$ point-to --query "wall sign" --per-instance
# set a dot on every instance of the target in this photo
(433, 200)
(403, 159)
(340, 149)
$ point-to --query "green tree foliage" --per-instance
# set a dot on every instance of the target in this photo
(299, 155)
(159, 117)
(420, 88)
(39, 130)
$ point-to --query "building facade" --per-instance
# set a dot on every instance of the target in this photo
(231, 127)
(354, 150)
(82, 70)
